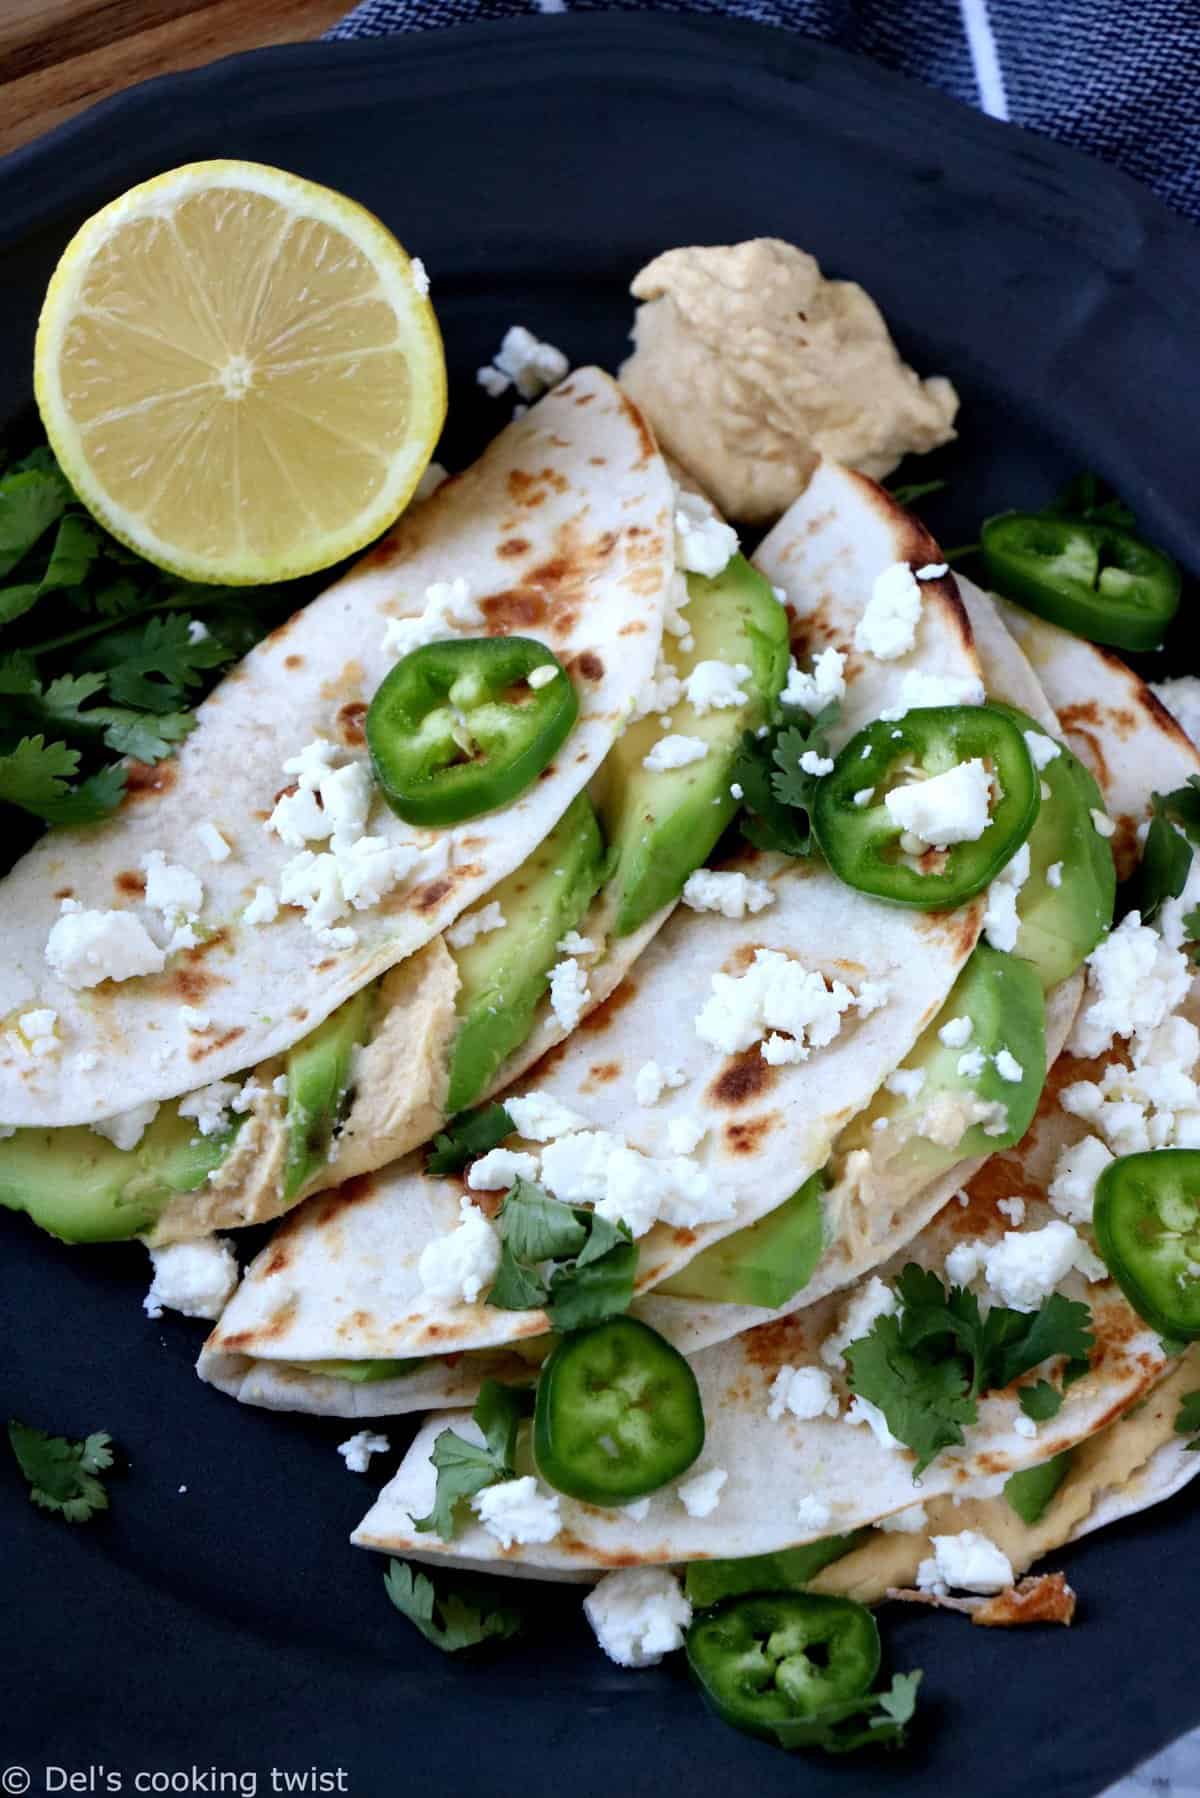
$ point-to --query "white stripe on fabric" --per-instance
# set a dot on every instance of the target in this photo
(551, 5)
(982, 44)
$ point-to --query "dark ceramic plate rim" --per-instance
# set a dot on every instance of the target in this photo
(1097, 210)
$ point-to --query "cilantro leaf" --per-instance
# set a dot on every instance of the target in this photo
(76, 546)
(153, 666)
(776, 792)
(61, 1473)
(909, 492)
(926, 1366)
(464, 1468)
(31, 500)
(882, 1720)
(469, 1134)
(1167, 853)
(1041, 1401)
(576, 1266)
(1087, 496)
(451, 1616)
(88, 801)
(1187, 1421)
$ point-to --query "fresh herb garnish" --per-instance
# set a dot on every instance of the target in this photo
(1187, 1421)
(576, 1266)
(469, 1134)
(874, 1720)
(451, 1615)
(776, 791)
(1087, 496)
(1167, 854)
(909, 492)
(926, 1366)
(1041, 1401)
(62, 1474)
(465, 1468)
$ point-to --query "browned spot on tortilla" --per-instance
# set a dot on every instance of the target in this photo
(604, 1071)
(649, 448)
(770, 1345)
(281, 630)
(323, 967)
(299, 1012)
(190, 984)
(1039, 1598)
(198, 1051)
(350, 723)
(278, 1260)
(741, 958)
(1082, 722)
(130, 882)
(597, 461)
(432, 893)
(588, 665)
(515, 610)
(348, 684)
(62, 893)
(600, 1019)
(744, 1077)
(286, 793)
(633, 629)
(522, 485)
(330, 1206)
(683, 1239)
(1124, 845)
(748, 1136)
(293, 661)
(144, 780)
(1001, 1177)
(585, 399)
(514, 546)
(1161, 716)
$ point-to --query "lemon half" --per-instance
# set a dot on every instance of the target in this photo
(239, 372)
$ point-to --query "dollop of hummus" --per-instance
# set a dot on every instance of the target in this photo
(750, 366)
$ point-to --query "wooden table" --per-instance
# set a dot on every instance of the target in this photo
(58, 56)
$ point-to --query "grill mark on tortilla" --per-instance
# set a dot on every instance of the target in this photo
(62, 893)
(293, 661)
(589, 665)
(197, 1051)
(350, 723)
(330, 1206)
(603, 1071)
(602, 1016)
(346, 685)
(514, 546)
(190, 984)
(1081, 721)
(747, 1136)
(145, 780)
(130, 883)
(746, 1076)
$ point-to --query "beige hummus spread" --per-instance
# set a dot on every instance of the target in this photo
(750, 365)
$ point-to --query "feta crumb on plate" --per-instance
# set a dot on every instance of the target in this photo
(195, 1278)
(638, 1614)
(356, 1451)
(532, 366)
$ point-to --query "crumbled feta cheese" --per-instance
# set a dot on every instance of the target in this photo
(1181, 696)
(575, 1167)
(476, 924)
(430, 481)
(912, 1521)
(972, 1064)
(194, 1278)
(126, 1129)
(574, 944)
(873, 995)
(947, 808)
(861, 1410)
(542, 676)
(172, 890)
(456, 1267)
(956, 1033)
(358, 874)
(518, 1511)
(776, 994)
(1001, 923)
(812, 1513)
(492, 381)
(685, 1134)
(888, 626)
(806, 1392)
(449, 609)
(933, 571)
(964, 1263)
(919, 690)
(596, 1168)
(816, 765)
(704, 543)
(701, 1495)
(356, 1451)
(279, 1086)
(1102, 824)
(198, 631)
(1135, 980)
(210, 1106)
(534, 367)
(1073, 1185)
(716, 686)
(968, 1562)
(673, 751)
(1054, 874)
(499, 1169)
(420, 276)
(346, 795)
(263, 908)
(639, 1510)
(863, 797)
(1042, 749)
(1024, 1426)
(569, 992)
(737, 791)
(1008, 1067)
(38, 1029)
(539, 1117)
(906, 1082)
(638, 1614)
(86, 947)
(857, 1319)
(1025, 1266)
(1013, 1209)
(813, 692)
(651, 1082)
(733, 895)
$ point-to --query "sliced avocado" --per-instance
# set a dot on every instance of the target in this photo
(788, 1570)
(362, 1373)
(318, 1077)
(1002, 996)
(661, 827)
(1060, 925)
(82, 1188)
(765, 1263)
(502, 975)
(1030, 1491)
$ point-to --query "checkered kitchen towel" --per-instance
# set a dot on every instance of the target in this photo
(1120, 78)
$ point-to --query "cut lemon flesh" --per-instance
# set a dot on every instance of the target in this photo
(239, 372)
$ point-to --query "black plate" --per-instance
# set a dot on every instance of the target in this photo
(534, 166)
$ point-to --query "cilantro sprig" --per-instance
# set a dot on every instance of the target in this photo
(1187, 1420)
(469, 1134)
(874, 1720)
(776, 792)
(465, 1468)
(454, 1614)
(62, 1474)
(1167, 855)
(576, 1266)
(926, 1366)
(101, 657)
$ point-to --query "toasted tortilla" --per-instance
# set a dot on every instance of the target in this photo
(564, 531)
